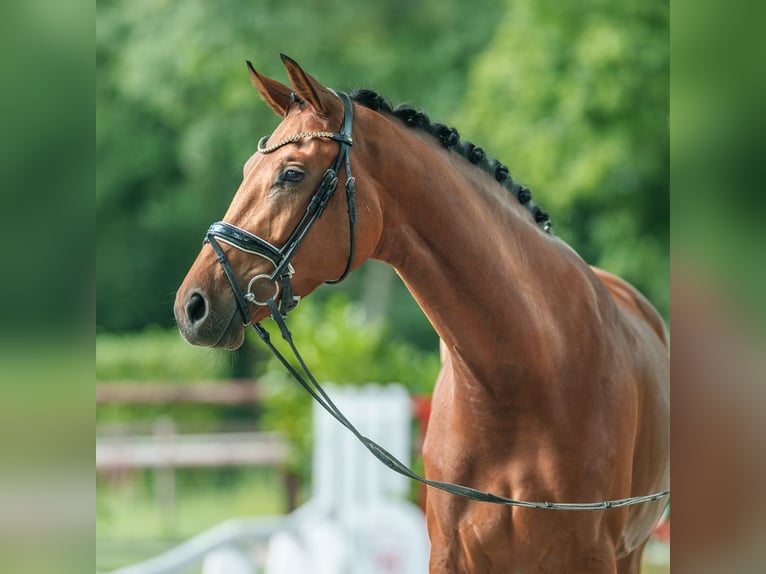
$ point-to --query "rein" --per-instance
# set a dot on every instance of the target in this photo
(282, 301)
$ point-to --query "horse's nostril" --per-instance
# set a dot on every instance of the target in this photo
(196, 308)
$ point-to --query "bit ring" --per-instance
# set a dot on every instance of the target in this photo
(250, 296)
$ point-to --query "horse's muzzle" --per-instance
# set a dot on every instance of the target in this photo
(201, 325)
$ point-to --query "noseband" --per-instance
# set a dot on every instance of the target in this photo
(281, 257)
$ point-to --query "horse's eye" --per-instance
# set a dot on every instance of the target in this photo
(292, 175)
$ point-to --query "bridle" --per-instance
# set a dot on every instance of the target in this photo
(281, 257)
(282, 274)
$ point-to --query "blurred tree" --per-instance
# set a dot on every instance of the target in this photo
(581, 93)
(580, 90)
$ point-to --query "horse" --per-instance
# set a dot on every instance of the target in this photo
(554, 382)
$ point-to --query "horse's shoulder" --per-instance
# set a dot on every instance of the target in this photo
(633, 301)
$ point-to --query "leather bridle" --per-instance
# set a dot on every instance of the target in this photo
(282, 274)
(281, 257)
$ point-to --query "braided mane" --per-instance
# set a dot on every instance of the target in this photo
(450, 138)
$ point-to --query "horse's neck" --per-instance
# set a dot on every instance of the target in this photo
(496, 289)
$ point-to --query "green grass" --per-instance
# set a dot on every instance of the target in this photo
(131, 526)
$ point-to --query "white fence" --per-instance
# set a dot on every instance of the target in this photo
(358, 520)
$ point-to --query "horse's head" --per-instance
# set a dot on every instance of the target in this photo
(285, 232)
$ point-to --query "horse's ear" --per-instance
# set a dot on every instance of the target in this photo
(275, 94)
(307, 88)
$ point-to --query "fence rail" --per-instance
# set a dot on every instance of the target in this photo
(202, 450)
(230, 392)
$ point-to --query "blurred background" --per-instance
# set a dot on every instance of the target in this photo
(573, 97)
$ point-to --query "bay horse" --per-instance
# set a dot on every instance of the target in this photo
(555, 375)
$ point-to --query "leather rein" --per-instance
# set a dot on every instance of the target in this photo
(283, 300)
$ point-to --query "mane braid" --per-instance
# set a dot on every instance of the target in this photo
(450, 139)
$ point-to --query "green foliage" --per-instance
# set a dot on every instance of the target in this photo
(347, 348)
(573, 97)
(155, 355)
(340, 346)
(581, 93)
